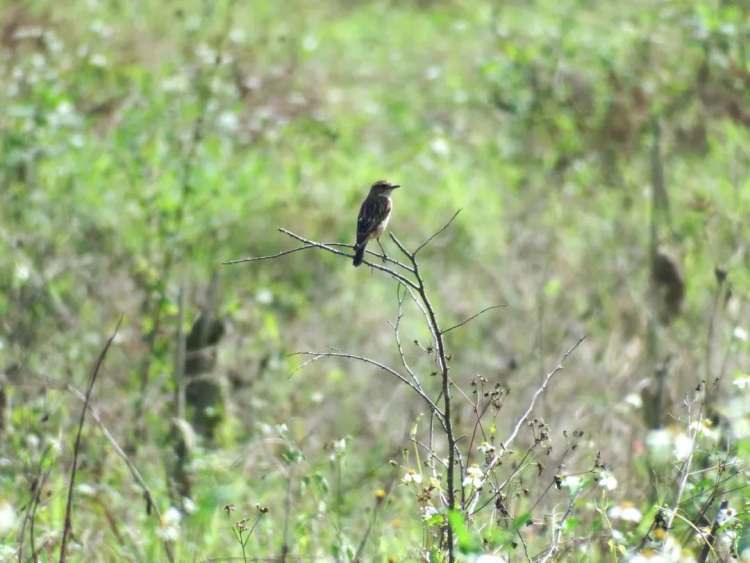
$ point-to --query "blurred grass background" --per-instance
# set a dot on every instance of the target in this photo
(142, 144)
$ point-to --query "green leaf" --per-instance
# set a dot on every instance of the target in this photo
(520, 521)
(467, 541)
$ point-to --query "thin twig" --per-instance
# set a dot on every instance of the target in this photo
(417, 290)
(317, 355)
(134, 472)
(397, 334)
(442, 360)
(557, 530)
(137, 477)
(37, 499)
(437, 233)
(77, 447)
(39, 479)
(520, 422)
(471, 318)
(697, 531)
(538, 392)
(721, 517)
(322, 246)
(315, 245)
(287, 514)
(685, 471)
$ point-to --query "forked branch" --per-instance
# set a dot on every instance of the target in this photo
(408, 275)
(67, 527)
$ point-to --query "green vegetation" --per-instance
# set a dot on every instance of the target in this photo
(600, 155)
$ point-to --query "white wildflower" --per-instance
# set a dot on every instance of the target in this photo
(54, 444)
(474, 477)
(634, 400)
(169, 527)
(237, 36)
(339, 446)
(705, 428)
(310, 43)
(229, 121)
(188, 505)
(486, 448)
(659, 443)
(22, 272)
(98, 60)
(175, 84)
(607, 481)
(411, 476)
(440, 146)
(428, 512)
(625, 512)
(86, 490)
(100, 28)
(572, 482)
(683, 446)
(433, 72)
(7, 518)
(205, 53)
(264, 296)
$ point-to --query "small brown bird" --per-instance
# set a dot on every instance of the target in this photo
(373, 217)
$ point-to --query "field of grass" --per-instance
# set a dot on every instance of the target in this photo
(599, 154)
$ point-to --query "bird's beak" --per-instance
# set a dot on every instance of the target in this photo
(395, 186)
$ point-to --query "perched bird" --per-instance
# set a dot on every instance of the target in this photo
(373, 216)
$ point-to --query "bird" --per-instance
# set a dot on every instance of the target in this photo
(373, 217)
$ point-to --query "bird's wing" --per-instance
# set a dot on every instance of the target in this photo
(373, 212)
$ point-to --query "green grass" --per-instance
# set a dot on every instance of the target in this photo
(132, 165)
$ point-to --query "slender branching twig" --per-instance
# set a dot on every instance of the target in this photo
(472, 317)
(560, 366)
(38, 482)
(381, 257)
(318, 355)
(557, 529)
(410, 277)
(436, 234)
(134, 472)
(68, 525)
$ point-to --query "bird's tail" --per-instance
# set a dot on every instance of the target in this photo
(359, 254)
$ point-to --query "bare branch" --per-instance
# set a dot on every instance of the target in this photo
(331, 249)
(415, 285)
(317, 355)
(270, 256)
(557, 529)
(721, 518)
(400, 246)
(537, 394)
(685, 470)
(519, 423)
(397, 334)
(134, 472)
(68, 525)
(437, 233)
(308, 246)
(471, 318)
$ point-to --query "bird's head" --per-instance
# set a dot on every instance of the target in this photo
(382, 187)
